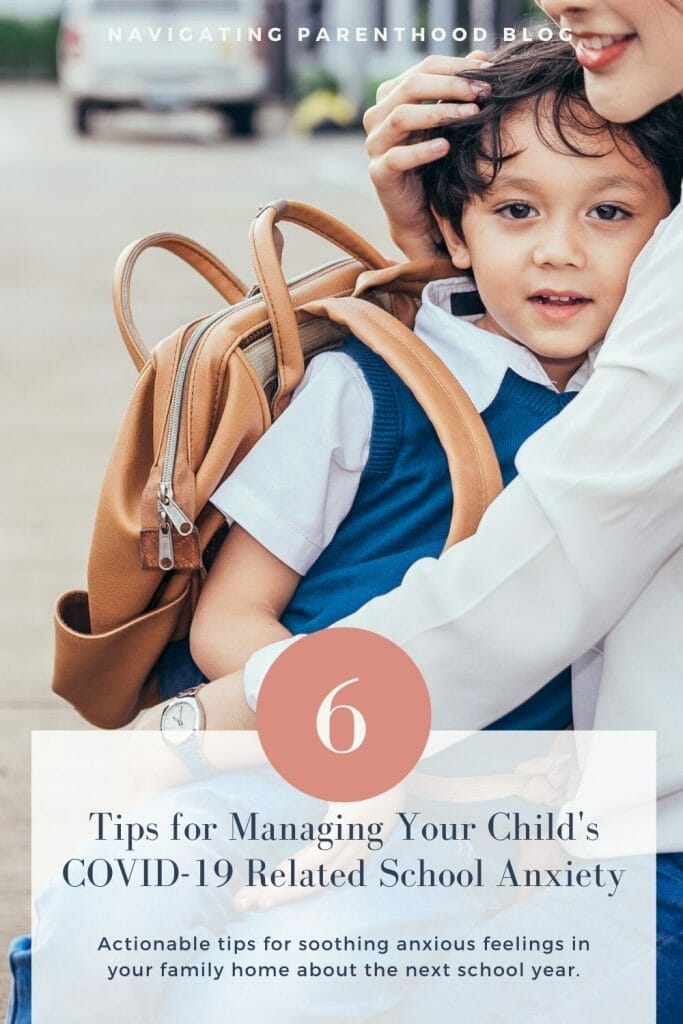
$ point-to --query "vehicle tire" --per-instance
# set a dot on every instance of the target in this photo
(241, 119)
(81, 117)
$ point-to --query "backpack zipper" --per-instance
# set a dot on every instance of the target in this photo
(170, 513)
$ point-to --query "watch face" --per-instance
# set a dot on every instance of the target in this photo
(179, 721)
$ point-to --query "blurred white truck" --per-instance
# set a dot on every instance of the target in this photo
(164, 55)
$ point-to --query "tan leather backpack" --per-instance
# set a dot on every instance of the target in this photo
(203, 398)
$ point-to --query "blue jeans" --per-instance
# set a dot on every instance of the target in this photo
(176, 671)
(266, 792)
(19, 1008)
(669, 957)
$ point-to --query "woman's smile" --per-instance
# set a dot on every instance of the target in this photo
(597, 52)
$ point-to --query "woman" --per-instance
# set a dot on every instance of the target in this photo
(613, 529)
(586, 544)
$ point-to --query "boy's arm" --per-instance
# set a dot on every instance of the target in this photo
(245, 593)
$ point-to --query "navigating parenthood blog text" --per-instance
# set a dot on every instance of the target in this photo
(338, 34)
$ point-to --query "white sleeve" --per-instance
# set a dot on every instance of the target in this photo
(299, 481)
(569, 545)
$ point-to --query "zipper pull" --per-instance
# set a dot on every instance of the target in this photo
(177, 517)
(169, 508)
(166, 560)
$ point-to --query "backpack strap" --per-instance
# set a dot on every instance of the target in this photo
(266, 250)
(472, 462)
(227, 284)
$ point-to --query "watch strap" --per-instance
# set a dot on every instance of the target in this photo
(191, 754)
(190, 750)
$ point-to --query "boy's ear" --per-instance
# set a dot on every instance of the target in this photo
(457, 247)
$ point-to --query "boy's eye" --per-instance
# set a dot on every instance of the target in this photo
(608, 211)
(517, 211)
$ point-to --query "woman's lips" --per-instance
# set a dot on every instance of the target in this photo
(594, 58)
(556, 307)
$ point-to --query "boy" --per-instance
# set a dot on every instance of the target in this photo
(544, 206)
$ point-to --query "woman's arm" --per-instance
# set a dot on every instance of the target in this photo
(400, 111)
(240, 605)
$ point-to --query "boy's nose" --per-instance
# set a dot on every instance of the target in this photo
(559, 246)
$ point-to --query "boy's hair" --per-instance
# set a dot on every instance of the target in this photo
(545, 77)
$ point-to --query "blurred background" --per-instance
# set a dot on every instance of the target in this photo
(113, 54)
(104, 139)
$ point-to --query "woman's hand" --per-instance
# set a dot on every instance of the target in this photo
(343, 855)
(400, 112)
(224, 703)
(150, 718)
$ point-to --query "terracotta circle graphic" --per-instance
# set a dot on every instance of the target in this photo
(343, 714)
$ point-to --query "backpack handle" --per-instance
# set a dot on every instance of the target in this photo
(266, 249)
(472, 463)
(227, 284)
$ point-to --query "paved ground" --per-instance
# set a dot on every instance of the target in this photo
(68, 206)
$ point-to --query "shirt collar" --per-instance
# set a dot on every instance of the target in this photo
(478, 358)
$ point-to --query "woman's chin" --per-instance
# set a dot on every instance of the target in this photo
(621, 98)
(612, 102)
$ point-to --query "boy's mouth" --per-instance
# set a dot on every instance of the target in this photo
(556, 305)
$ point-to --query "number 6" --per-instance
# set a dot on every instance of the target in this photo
(323, 720)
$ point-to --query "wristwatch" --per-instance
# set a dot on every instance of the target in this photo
(182, 721)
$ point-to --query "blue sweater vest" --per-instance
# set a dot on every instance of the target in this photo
(402, 511)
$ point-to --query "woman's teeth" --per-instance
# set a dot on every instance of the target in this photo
(599, 42)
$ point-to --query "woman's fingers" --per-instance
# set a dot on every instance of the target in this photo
(307, 858)
(428, 95)
(435, 64)
(407, 118)
(417, 90)
(342, 856)
(388, 169)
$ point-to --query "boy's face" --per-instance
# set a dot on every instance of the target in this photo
(552, 241)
